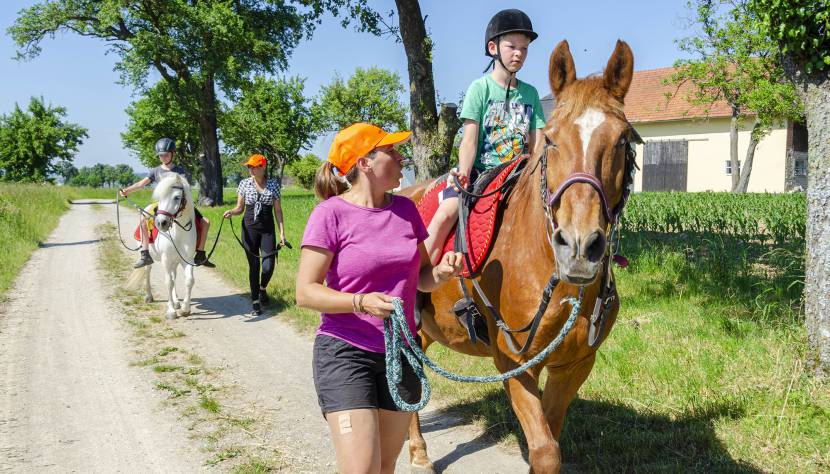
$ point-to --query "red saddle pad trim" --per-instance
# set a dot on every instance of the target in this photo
(481, 226)
(154, 234)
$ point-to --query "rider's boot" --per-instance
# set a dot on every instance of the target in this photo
(201, 260)
(144, 260)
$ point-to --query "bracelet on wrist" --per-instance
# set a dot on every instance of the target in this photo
(360, 308)
(354, 302)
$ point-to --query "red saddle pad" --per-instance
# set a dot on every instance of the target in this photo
(481, 226)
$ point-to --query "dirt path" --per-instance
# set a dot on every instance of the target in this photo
(69, 400)
(45, 349)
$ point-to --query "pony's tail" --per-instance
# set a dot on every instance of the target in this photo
(137, 278)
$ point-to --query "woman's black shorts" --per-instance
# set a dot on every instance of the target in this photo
(348, 377)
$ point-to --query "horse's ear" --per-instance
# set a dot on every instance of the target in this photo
(561, 71)
(619, 71)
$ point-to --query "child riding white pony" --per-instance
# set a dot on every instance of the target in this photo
(176, 243)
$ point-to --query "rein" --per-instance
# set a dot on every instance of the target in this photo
(396, 332)
(249, 251)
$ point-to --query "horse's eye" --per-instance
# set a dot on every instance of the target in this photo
(622, 141)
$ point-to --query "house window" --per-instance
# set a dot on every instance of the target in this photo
(800, 168)
(728, 167)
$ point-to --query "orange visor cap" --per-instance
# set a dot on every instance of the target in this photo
(357, 141)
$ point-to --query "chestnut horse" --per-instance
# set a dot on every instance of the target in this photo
(557, 223)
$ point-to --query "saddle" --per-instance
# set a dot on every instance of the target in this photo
(153, 232)
(481, 213)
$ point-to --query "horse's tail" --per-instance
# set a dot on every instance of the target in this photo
(137, 278)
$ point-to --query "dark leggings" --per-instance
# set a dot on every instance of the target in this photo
(262, 242)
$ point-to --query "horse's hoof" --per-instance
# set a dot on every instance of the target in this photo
(183, 312)
(148, 299)
(422, 467)
(171, 315)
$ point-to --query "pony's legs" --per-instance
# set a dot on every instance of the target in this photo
(561, 388)
(148, 294)
(188, 287)
(418, 457)
(543, 450)
(170, 280)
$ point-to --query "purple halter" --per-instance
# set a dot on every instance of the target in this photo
(589, 179)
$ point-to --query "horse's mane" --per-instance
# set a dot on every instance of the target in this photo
(584, 93)
(163, 187)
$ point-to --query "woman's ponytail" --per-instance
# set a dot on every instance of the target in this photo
(326, 184)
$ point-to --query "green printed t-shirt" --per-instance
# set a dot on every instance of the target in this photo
(503, 135)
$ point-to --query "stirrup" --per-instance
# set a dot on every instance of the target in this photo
(471, 319)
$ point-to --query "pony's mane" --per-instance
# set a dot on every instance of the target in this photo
(582, 94)
(163, 187)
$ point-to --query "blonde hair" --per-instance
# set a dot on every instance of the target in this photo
(328, 184)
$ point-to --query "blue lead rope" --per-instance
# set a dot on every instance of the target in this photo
(395, 330)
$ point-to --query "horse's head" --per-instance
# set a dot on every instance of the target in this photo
(589, 160)
(172, 194)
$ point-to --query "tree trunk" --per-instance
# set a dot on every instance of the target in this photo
(733, 149)
(429, 134)
(746, 168)
(210, 183)
(815, 93)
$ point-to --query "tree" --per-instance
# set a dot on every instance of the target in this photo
(32, 141)
(124, 175)
(155, 115)
(433, 130)
(66, 170)
(370, 95)
(734, 62)
(801, 29)
(305, 170)
(273, 118)
(194, 46)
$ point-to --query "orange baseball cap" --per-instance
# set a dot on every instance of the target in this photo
(256, 160)
(357, 141)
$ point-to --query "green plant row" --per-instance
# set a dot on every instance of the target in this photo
(766, 218)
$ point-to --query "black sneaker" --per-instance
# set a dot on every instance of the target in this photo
(144, 260)
(263, 297)
(201, 260)
(257, 309)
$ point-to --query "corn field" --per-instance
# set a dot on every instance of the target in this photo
(753, 217)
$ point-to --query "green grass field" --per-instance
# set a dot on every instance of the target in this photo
(703, 372)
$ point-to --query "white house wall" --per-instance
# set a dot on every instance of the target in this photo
(709, 150)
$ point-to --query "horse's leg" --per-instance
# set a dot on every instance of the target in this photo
(174, 272)
(523, 391)
(418, 457)
(188, 287)
(170, 280)
(560, 389)
(148, 294)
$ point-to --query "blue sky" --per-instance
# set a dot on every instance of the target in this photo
(77, 73)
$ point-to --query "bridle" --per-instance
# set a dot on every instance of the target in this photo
(174, 216)
(612, 215)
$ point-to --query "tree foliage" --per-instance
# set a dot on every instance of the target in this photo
(733, 61)
(305, 169)
(100, 175)
(155, 115)
(34, 141)
(274, 118)
(801, 28)
(194, 46)
(370, 95)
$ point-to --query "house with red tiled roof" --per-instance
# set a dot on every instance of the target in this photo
(687, 146)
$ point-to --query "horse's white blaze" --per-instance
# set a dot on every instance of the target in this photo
(588, 122)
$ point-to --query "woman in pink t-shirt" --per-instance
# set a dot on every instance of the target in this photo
(367, 246)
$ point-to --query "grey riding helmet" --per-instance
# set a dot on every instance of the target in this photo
(165, 145)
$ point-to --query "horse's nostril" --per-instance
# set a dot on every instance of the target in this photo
(594, 246)
(559, 238)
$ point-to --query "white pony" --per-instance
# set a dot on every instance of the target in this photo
(176, 221)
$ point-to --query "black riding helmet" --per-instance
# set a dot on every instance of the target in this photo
(508, 21)
(165, 145)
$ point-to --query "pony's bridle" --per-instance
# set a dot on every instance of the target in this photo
(178, 213)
